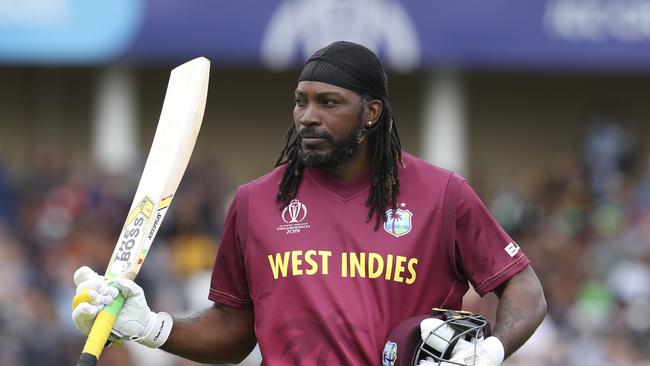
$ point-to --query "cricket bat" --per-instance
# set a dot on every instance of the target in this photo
(178, 128)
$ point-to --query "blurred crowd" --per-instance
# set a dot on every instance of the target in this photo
(61, 215)
(583, 219)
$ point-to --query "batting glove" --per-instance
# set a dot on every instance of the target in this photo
(136, 322)
(480, 352)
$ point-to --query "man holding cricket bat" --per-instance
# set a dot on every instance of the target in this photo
(321, 258)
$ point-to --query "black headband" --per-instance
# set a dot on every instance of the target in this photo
(348, 65)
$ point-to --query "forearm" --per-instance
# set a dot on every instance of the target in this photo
(521, 309)
(215, 335)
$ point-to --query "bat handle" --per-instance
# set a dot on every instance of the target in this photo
(100, 332)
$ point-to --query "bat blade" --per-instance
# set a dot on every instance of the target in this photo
(180, 121)
(174, 140)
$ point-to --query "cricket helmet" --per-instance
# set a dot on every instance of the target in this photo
(434, 336)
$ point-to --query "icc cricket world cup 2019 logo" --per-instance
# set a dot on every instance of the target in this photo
(294, 212)
(294, 216)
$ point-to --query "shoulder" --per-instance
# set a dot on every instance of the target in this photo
(267, 184)
(271, 178)
(418, 171)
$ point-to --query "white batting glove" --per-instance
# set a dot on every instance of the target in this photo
(485, 352)
(135, 322)
(488, 353)
(429, 361)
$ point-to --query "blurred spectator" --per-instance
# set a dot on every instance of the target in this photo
(68, 215)
(7, 200)
(609, 152)
(589, 241)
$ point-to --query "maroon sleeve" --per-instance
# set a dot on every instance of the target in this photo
(485, 254)
(229, 285)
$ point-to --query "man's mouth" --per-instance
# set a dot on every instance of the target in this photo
(312, 141)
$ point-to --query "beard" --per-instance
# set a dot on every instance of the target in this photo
(342, 150)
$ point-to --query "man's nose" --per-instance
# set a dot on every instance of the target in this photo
(311, 116)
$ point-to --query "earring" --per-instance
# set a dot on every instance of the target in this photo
(369, 123)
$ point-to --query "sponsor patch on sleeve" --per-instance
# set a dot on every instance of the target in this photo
(512, 249)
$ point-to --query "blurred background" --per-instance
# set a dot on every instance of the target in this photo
(542, 105)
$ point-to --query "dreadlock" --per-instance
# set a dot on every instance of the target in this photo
(385, 145)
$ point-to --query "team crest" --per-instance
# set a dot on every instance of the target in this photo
(398, 222)
(389, 355)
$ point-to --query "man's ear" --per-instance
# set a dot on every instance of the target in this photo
(374, 109)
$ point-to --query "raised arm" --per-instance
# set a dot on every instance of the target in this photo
(521, 309)
(218, 334)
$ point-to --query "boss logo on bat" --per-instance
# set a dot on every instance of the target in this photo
(131, 236)
(128, 240)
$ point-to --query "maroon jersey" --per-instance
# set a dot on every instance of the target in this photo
(327, 288)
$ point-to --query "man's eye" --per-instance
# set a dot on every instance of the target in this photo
(330, 102)
(299, 102)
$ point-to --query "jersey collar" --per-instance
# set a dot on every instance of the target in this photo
(343, 189)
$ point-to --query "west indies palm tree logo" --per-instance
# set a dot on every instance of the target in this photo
(307, 349)
(398, 222)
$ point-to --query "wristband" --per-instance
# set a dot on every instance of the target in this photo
(157, 331)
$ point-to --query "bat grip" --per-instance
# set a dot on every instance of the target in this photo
(100, 332)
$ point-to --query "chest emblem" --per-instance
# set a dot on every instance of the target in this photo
(294, 216)
(294, 212)
(398, 222)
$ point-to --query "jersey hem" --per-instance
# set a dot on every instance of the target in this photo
(503, 275)
(451, 291)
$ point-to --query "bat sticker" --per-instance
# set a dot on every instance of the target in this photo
(131, 237)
